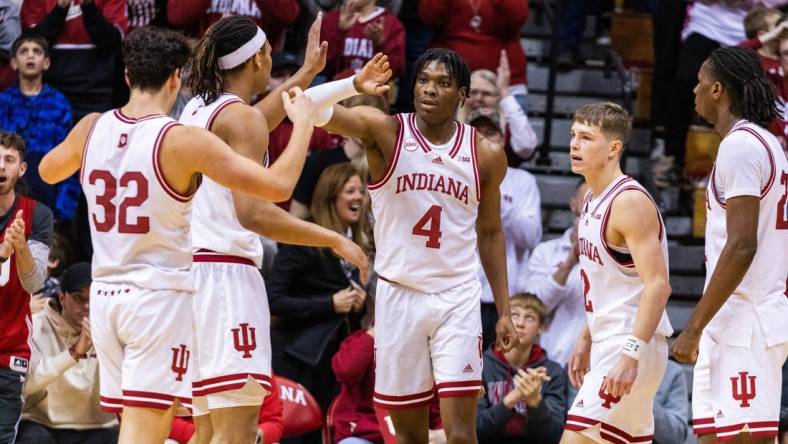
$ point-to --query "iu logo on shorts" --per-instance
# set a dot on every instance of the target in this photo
(180, 361)
(244, 339)
(746, 392)
(607, 399)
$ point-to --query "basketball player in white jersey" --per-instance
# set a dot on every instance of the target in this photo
(738, 332)
(435, 198)
(139, 172)
(621, 353)
(232, 350)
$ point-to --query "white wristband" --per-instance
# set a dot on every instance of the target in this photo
(325, 96)
(634, 347)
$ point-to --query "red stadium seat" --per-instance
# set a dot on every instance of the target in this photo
(300, 410)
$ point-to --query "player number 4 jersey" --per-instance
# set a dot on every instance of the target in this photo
(425, 209)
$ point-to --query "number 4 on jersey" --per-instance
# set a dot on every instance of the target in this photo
(432, 218)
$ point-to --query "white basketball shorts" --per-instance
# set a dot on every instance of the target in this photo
(232, 334)
(620, 420)
(143, 341)
(736, 389)
(424, 342)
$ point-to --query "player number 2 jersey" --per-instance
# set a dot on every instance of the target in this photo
(139, 225)
(425, 209)
(215, 225)
(750, 162)
(612, 289)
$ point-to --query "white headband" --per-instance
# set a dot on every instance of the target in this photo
(243, 53)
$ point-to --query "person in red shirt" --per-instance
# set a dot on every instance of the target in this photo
(358, 31)
(195, 16)
(269, 427)
(478, 30)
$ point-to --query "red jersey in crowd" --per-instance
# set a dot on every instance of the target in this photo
(351, 49)
(775, 74)
(15, 317)
(478, 30)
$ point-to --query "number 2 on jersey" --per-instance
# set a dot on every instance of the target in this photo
(432, 218)
(586, 287)
(782, 211)
(142, 224)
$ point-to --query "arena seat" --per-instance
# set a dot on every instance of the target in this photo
(300, 411)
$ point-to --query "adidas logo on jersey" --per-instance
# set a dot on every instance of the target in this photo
(719, 414)
(579, 404)
(468, 369)
(437, 160)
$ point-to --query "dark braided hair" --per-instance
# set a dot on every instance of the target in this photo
(222, 38)
(752, 95)
(455, 65)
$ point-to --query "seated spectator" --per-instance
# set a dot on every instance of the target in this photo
(555, 279)
(195, 16)
(315, 298)
(269, 426)
(489, 90)
(521, 218)
(57, 264)
(62, 390)
(9, 30)
(42, 116)
(524, 398)
(358, 31)
(479, 30)
(350, 150)
(85, 38)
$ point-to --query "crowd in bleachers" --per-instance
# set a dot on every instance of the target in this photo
(61, 60)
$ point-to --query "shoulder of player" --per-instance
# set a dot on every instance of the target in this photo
(241, 117)
(631, 207)
(491, 156)
(82, 129)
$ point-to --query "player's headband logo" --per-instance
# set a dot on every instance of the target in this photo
(243, 53)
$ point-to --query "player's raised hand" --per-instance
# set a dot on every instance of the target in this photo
(299, 107)
(350, 251)
(373, 77)
(579, 363)
(621, 377)
(685, 348)
(315, 55)
(505, 334)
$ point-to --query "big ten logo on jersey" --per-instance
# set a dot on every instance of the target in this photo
(135, 182)
(244, 339)
(180, 361)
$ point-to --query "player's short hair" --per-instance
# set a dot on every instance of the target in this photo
(13, 141)
(30, 36)
(529, 301)
(152, 54)
(222, 38)
(323, 205)
(609, 117)
(455, 65)
(755, 20)
(751, 94)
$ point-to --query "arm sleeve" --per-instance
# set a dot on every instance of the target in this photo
(47, 369)
(523, 139)
(10, 26)
(394, 45)
(670, 409)
(435, 12)
(185, 13)
(743, 166)
(354, 358)
(39, 241)
(48, 24)
(106, 26)
(546, 422)
(541, 282)
(522, 222)
(290, 264)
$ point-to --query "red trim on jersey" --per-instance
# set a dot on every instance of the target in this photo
(157, 166)
(611, 191)
(611, 252)
(402, 402)
(584, 423)
(218, 109)
(607, 431)
(228, 382)
(425, 146)
(385, 279)
(769, 183)
(475, 163)
(85, 149)
(126, 119)
(714, 187)
(624, 435)
(205, 255)
(462, 388)
(372, 185)
(727, 433)
(457, 143)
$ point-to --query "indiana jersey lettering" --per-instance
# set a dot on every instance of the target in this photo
(215, 224)
(425, 209)
(611, 286)
(762, 291)
(139, 224)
